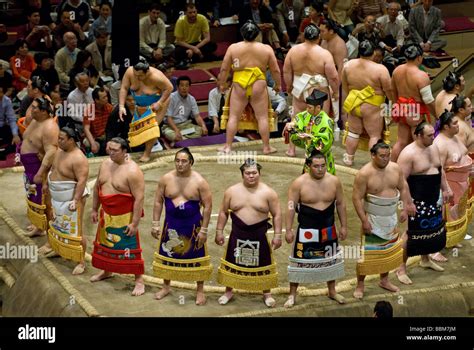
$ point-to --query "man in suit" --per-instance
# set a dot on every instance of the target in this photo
(425, 24)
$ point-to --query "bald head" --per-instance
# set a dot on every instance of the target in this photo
(70, 40)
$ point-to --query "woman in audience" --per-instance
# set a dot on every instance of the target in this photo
(22, 65)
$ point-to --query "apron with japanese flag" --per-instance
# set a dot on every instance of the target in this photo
(316, 256)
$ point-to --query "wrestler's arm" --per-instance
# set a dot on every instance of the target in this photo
(386, 83)
(275, 209)
(50, 142)
(274, 69)
(81, 172)
(442, 156)
(166, 88)
(293, 200)
(394, 86)
(95, 197)
(206, 200)
(345, 86)
(288, 72)
(223, 217)
(358, 193)
(158, 207)
(332, 75)
(424, 81)
(136, 182)
(405, 195)
(225, 67)
(124, 87)
(341, 209)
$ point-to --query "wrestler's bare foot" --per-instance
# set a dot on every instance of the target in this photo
(36, 232)
(290, 302)
(79, 269)
(290, 153)
(268, 300)
(438, 257)
(389, 286)
(200, 298)
(269, 150)
(339, 298)
(431, 265)
(139, 289)
(224, 149)
(162, 293)
(45, 249)
(144, 159)
(403, 277)
(359, 292)
(101, 276)
(30, 227)
(348, 159)
(224, 299)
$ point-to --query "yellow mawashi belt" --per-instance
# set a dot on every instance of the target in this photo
(246, 77)
(357, 97)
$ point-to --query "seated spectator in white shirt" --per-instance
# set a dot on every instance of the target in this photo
(153, 43)
(391, 29)
(79, 101)
(181, 109)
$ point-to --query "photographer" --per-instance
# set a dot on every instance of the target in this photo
(37, 36)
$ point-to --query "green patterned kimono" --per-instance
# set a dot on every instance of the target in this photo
(321, 128)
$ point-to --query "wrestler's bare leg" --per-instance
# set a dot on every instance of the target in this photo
(386, 284)
(146, 154)
(268, 299)
(356, 127)
(402, 270)
(200, 297)
(372, 122)
(292, 297)
(226, 297)
(139, 286)
(102, 275)
(238, 101)
(403, 139)
(359, 291)
(332, 294)
(259, 103)
(164, 291)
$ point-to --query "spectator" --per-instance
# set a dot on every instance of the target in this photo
(340, 11)
(262, 16)
(117, 128)
(215, 105)
(45, 70)
(278, 103)
(383, 309)
(80, 11)
(79, 101)
(44, 7)
(224, 9)
(65, 26)
(289, 14)
(37, 36)
(8, 127)
(22, 65)
(376, 8)
(193, 38)
(103, 21)
(94, 128)
(425, 24)
(6, 81)
(178, 116)
(65, 59)
(101, 51)
(153, 43)
(83, 64)
(315, 17)
(368, 31)
(392, 29)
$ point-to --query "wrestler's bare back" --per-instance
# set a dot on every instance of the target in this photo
(362, 72)
(308, 58)
(409, 79)
(423, 161)
(34, 136)
(250, 54)
(251, 205)
(154, 83)
(181, 189)
(66, 165)
(381, 182)
(113, 178)
(317, 194)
